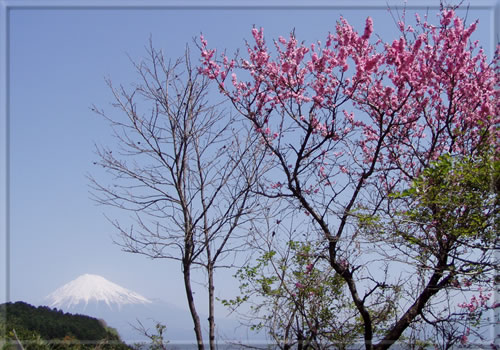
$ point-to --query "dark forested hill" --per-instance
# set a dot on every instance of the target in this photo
(45, 328)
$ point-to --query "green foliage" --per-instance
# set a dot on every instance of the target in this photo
(157, 340)
(300, 299)
(41, 328)
(455, 200)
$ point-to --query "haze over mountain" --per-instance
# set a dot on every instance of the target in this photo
(122, 308)
(119, 307)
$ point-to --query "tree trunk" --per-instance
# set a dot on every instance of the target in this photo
(192, 307)
(211, 312)
(433, 287)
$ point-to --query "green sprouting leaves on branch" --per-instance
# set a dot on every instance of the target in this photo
(297, 298)
(456, 198)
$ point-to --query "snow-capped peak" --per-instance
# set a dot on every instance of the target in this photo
(88, 287)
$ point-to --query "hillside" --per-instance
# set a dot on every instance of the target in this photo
(43, 328)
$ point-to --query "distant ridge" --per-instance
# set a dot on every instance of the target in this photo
(93, 288)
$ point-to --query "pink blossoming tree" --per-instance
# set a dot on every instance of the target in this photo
(351, 127)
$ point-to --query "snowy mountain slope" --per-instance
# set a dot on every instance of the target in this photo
(93, 288)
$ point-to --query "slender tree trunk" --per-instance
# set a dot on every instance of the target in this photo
(211, 299)
(192, 307)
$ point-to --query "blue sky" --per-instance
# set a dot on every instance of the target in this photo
(58, 59)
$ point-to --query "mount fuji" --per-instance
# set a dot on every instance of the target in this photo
(123, 309)
(120, 308)
(93, 288)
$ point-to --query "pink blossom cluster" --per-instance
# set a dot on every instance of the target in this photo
(465, 337)
(477, 302)
(276, 185)
(309, 268)
(424, 96)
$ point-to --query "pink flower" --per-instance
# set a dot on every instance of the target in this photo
(276, 185)
(309, 268)
(368, 28)
(299, 285)
(322, 171)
